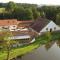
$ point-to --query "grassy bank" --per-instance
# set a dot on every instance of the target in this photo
(43, 39)
(19, 51)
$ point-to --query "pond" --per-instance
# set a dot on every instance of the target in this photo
(50, 51)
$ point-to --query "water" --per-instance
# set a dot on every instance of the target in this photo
(50, 51)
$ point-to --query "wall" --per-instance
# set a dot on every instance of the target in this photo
(12, 27)
(21, 37)
(50, 25)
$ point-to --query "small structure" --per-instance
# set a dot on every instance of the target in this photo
(22, 37)
(42, 25)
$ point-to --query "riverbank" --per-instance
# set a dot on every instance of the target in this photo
(43, 39)
(19, 51)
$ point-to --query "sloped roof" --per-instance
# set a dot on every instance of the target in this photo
(39, 24)
(6, 22)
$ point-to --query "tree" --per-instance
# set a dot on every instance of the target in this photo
(58, 18)
(50, 12)
(19, 13)
(41, 11)
(28, 14)
(7, 41)
(36, 14)
(11, 6)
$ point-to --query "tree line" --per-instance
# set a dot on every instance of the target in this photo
(19, 11)
(29, 11)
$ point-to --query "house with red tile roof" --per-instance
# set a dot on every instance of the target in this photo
(13, 24)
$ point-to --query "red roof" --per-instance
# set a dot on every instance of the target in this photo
(29, 21)
(8, 22)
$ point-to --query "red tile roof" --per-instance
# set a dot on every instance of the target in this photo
(6, 22)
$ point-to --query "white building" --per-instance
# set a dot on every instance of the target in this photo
(42, 25)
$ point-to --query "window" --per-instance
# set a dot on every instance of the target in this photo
(54, 28)
(46, 28)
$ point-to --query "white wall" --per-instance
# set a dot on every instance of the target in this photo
(21, 37)
(50, 25)
(32, 40)
(12, 27)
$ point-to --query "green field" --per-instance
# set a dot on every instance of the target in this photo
(2, 10)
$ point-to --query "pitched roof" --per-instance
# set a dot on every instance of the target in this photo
(39, 24)
(19, 33)
(6, 22)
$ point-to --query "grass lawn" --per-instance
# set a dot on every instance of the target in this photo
(19, 51)
(2, 10)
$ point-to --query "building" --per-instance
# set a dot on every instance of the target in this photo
(22, 36)
(14, 24)
(10, 24)
(42, 25)
(27, 30)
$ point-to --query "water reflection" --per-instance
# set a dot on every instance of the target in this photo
(58, 43)
(49, 45)
(50, 51)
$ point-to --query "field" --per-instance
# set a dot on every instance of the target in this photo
(2, 10)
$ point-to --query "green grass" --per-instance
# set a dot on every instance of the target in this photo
(2, 10)
(19, 51)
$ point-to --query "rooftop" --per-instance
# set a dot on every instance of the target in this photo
(6, 22)
(39, 24)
